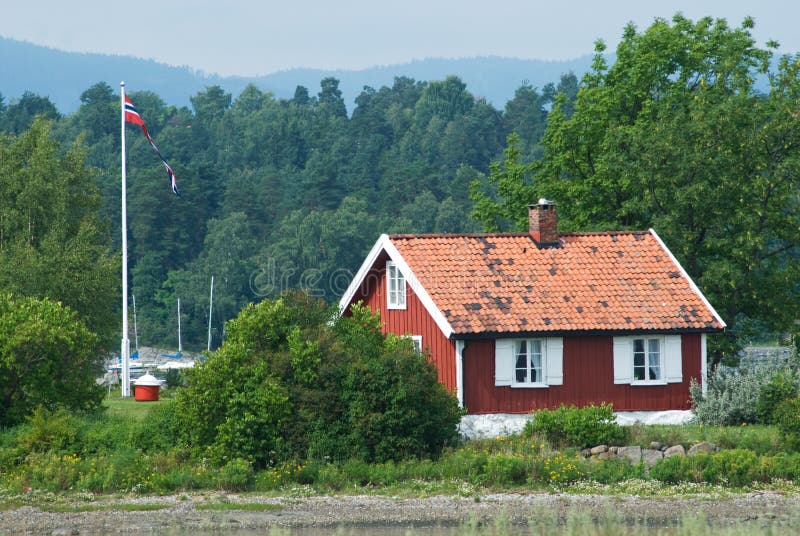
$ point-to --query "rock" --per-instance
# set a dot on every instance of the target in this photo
(704, 447)
(599, 449)
(612, 450)
(655, 445)
(606, 456)
(651, 456)
(634, 453)
(585, 453)
(675, 450)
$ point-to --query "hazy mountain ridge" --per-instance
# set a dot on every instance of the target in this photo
(63, 76)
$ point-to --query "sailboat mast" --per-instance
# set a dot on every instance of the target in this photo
(210, 305)
(135, 331)
(180, 347)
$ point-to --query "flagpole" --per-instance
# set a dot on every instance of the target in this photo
(125, 350)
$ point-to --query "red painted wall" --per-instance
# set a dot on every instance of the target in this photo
(413, 320)
(588, 379)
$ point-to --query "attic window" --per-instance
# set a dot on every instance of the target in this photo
(395, 287)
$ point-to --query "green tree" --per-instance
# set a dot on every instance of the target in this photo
(501, 203)
(53, 242)
(48, 358)
(675, 136)
(330, 98)
(19, 115)
(292, 382)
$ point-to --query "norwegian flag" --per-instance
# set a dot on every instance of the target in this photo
(132, 116)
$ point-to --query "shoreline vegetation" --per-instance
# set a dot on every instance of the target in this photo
(527, 483)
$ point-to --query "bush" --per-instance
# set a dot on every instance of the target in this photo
(48, 359)
(736, 467)
(781, 386)
(613, 471)
(504, 469)
(787, 419)
(677, 469)
(50, 431)
(577, 427)
(563, 469)
(291, 383)
(236, 475)
(731, 398)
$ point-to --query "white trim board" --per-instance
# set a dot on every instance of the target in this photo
(689, 279)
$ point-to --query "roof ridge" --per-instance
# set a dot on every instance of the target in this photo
(511, 235)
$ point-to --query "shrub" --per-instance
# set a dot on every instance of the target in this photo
(236, 475)
(563, 469)
(48, 355)
(787, 419)
(290, 383)
(613, 471)
(50, 430)
(676, 469)
(396, 407)
(504, 469)
(158, 431)
(782, 466)
(736, 467)
(578, 427)
(174, 379)
(731, 397)
(781, 386)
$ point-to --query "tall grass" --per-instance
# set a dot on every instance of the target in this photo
(132, 448)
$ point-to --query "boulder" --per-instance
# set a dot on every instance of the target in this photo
(634, 453)
(599, 449)
(703, 447)
(651, 456)
(606, 456)
(655, 445)
(675, 450)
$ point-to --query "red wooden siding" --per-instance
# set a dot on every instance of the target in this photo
(588, 379)
(413, 320)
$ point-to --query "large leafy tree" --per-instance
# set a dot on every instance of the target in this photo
(675, 136)
(48, 358)
(53, 242)
(291, 381)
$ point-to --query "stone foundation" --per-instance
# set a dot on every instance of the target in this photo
(505, 424)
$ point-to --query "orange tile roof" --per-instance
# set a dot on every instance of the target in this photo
(503, 283)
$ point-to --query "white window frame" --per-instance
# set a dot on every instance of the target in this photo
(551, 354)
(669, 359)
(416, 340)
(528, 350)
(647, 352)
(395, 287)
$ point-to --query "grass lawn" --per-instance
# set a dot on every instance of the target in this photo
(128, 407)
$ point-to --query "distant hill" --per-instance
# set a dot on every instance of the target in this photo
(63, 76)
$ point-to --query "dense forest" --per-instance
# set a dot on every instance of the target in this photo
(279, 193)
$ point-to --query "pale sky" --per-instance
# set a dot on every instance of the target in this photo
(257, 37)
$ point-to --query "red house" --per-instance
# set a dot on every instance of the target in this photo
(520, 321)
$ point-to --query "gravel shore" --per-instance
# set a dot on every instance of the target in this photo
(181, 515)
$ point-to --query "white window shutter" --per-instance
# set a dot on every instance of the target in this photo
(503, 361)
(673, 359)
(623, 360)
(555, 361)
